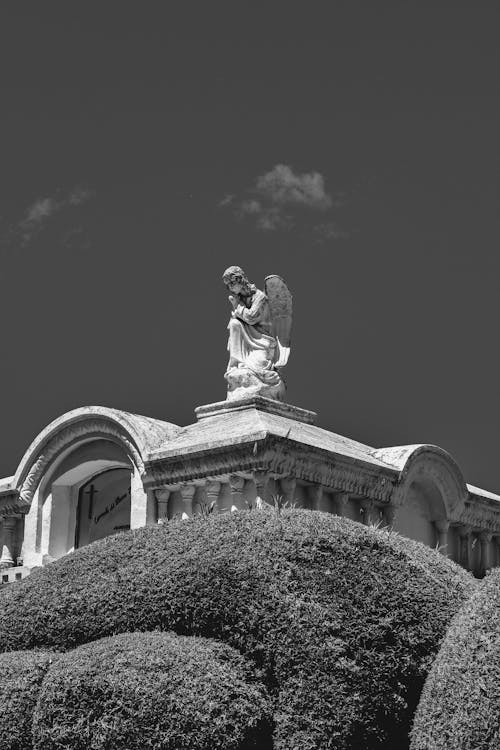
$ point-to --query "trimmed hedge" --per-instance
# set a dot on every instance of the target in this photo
(152, 690)
(21, 675)
(343, 620)
(460, 703)
(434, 564)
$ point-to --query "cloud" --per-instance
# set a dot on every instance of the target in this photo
(282, 187)
(226, 201)
(330, 231)
(281, 199)
(266, 217)
(79, 195)
(42, 209)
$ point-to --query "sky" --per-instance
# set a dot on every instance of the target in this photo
(350, 147)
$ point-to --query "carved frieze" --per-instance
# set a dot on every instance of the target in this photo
(280, 458)
(10, 503)
(480, 516)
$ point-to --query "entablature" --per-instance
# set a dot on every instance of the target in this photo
(281, 457)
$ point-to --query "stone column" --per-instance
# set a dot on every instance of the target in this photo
(8, 547)
(236, 484)
(287, 487)
(340, 503)
(484, 540)
(496, 551)
(370, 515)
(20, 541)
(315, 496)
(442, 528)
(464, 537)
(187, 493)
(212, 489)
(139, 502)
(261, 478)
(162, 498)
(389, 513)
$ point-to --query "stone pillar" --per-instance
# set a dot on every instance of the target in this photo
(442, 528)
(261, 478)
(237, 484)
(187, 493)
(340, 503)
(138, 501)
(8, 547)
(60, 528)
(464, 541)
(287, 487)
(315, 496)
(212, 489)
(484, 562)
(496, 551)
(20, 541)
(32, 554)
(369, 509)
(389, 513)
(162, 498)
(46, 522)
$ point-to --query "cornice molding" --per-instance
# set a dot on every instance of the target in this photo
(487, 519)
(278, 456)
(10, 504)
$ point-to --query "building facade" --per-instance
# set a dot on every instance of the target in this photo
(97, 471)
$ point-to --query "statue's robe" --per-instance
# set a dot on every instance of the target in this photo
(251, 342)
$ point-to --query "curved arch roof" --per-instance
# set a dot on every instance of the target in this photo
(147, 433)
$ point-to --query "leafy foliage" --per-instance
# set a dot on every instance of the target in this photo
(342, 620)
(460, 703)
(21, 675)
(152, 690)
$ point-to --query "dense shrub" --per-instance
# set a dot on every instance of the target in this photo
(21, 675)
(152, 690)
(342, 619)
(460, 703)
(433, 564)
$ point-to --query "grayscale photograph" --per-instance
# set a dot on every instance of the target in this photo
(249, 288)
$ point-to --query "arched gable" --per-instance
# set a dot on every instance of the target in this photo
(427, 465)
(135, 434)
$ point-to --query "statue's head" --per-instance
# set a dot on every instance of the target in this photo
(234, 275)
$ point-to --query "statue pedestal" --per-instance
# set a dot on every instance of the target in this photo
(243, 383)
(261, 403)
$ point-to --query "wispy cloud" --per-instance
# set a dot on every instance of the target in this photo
(267, 217)
(282, 187)
(330, 231)
(40, 210)
(281, 196)
(38, 213)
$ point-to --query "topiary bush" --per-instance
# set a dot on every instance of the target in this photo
(432, 564)
(21, 675)
(152, 690)
(460, 703)
(342, 620)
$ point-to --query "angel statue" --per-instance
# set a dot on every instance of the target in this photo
(259, 335)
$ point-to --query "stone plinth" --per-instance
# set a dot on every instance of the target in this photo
(267, 405)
